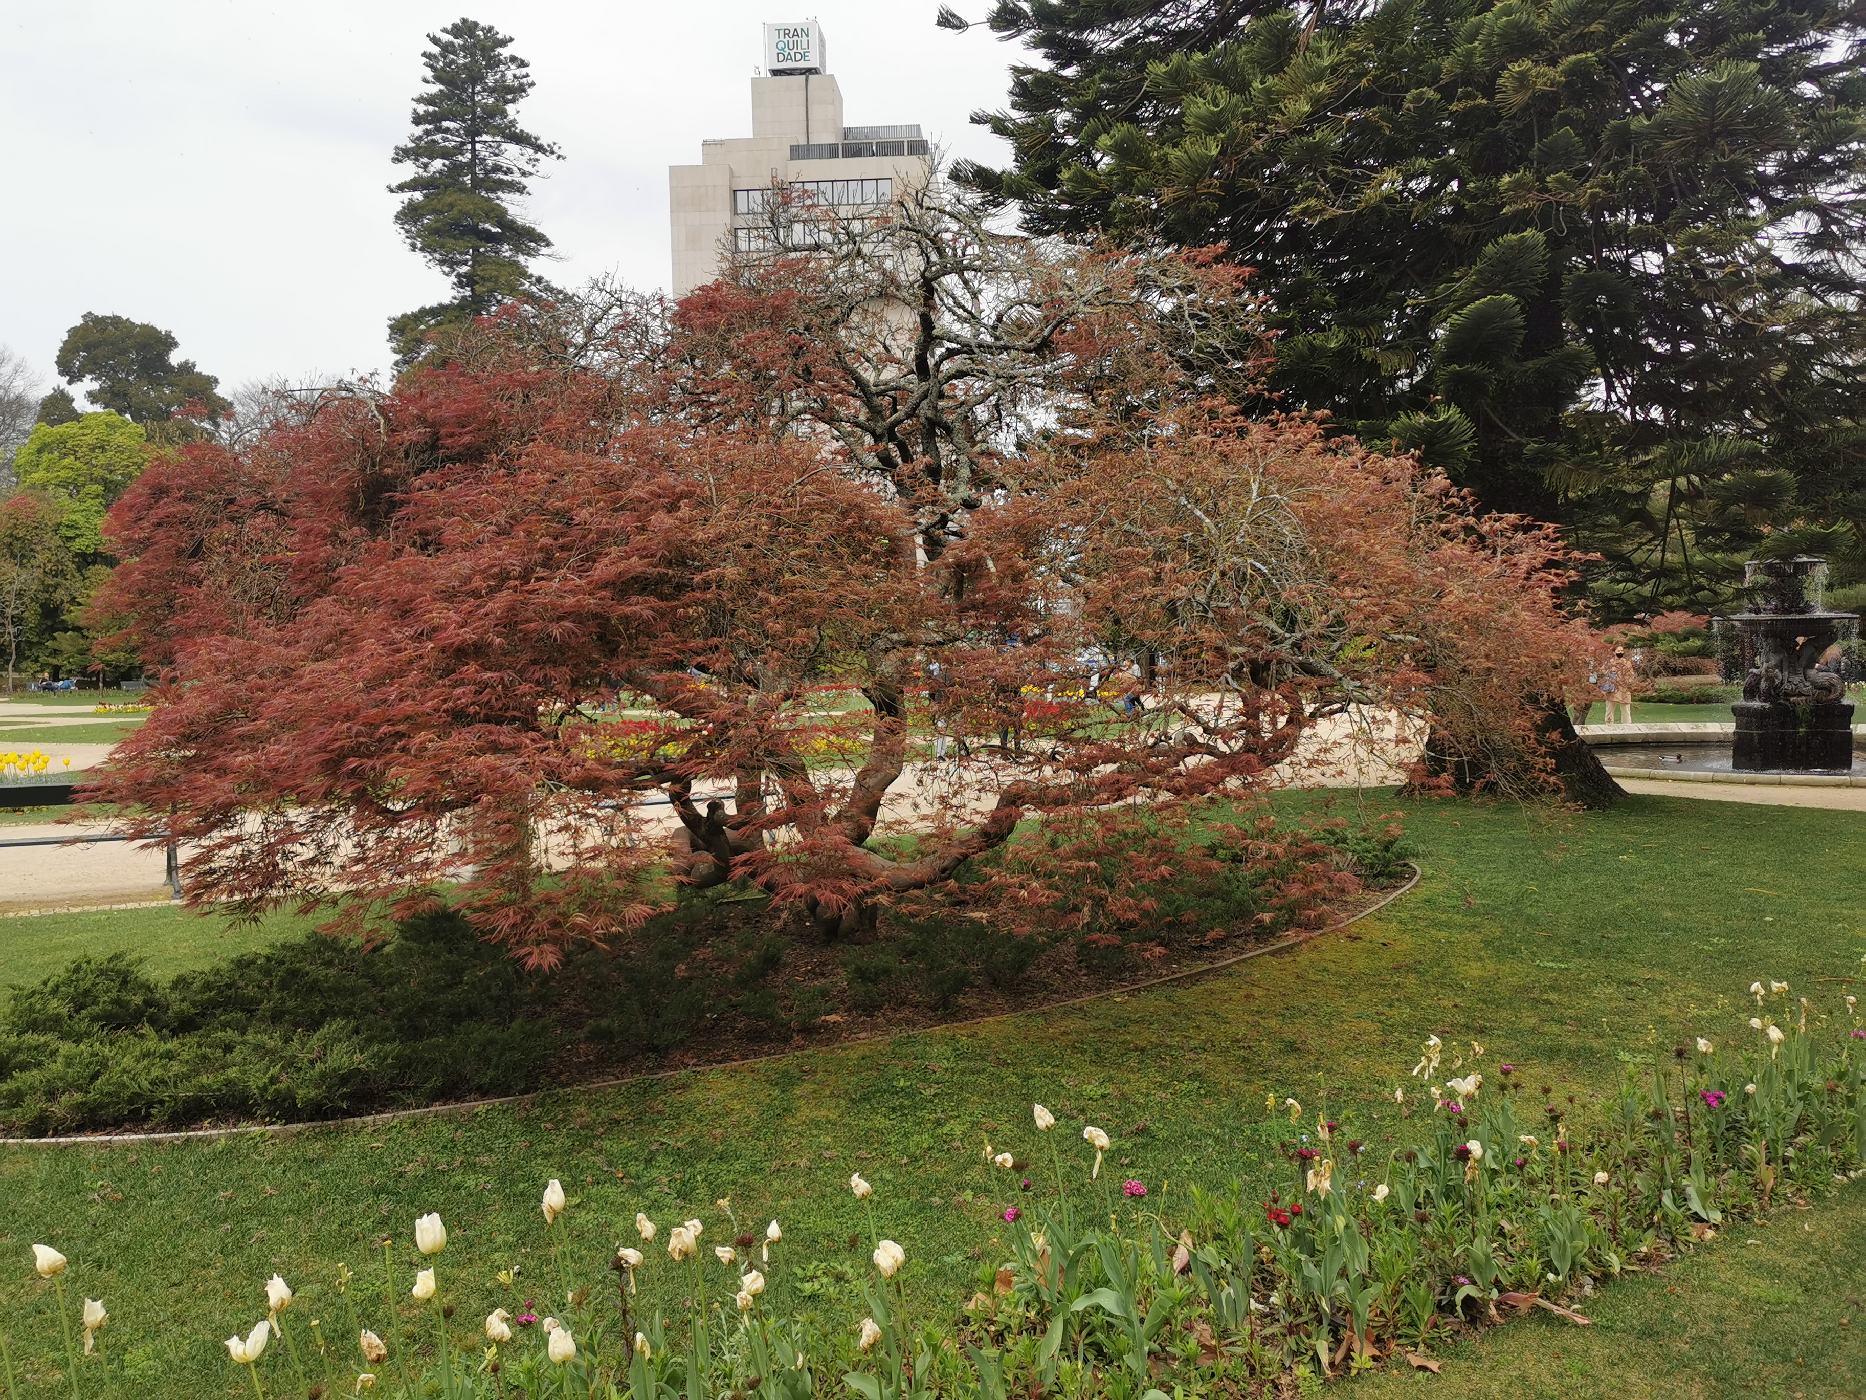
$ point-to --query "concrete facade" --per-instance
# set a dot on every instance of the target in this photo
(798, 138)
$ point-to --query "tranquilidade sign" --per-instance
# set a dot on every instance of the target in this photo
(794, 48)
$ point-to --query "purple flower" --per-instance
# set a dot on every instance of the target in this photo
(1024, 1185)
(1133, 1188)
(1011, 1213)
(1519, 1161)
(1860, 1034)
(1507, 1069)
(1713, 1098)
(1462, 1281)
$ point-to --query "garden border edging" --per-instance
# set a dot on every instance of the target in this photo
(468, 1106)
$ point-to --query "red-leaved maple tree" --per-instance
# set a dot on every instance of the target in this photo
(571, 630)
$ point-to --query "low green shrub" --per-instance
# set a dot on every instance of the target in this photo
(325, 1026)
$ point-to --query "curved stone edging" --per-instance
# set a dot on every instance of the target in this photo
(468, 1106)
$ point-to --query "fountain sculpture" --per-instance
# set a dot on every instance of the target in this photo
(1794, 715)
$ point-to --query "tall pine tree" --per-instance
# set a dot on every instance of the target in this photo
(1600, 259)
(472, 161)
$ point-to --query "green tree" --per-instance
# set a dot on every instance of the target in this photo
(39, 578)
(57, 407)
(84, 466)
(471, 162)
(131, 370)
(1600, 259)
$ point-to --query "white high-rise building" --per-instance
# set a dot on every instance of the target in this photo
(798, 140)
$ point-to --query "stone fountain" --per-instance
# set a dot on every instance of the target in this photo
(1794, 715)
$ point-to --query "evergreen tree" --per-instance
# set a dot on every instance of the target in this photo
(131, 370)
(1600, 259)
(57, 407)
(471, 161)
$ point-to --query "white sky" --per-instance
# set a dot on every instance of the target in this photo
(220, 167)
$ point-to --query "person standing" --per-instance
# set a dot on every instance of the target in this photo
(1616, 687)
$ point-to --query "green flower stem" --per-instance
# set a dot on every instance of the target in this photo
(6, 1360)
(291, 1349)
(447, 1361)
(1056, 1161)
(253, 1371)
(64, 1324)
(701, 1355)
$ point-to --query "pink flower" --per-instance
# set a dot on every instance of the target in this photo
(1133, 1188)
(1713, 1098)
(1011, 1213)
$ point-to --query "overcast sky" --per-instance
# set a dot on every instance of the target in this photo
(219, 167)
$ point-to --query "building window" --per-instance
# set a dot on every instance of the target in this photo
(831, 194)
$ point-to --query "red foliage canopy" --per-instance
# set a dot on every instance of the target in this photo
(536, 628)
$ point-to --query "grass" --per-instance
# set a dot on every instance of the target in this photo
(1775, 1309)
(169, 940)
(1669, 714)
(63, 812)
(1577, 947)
(55, 732)
(87, 698)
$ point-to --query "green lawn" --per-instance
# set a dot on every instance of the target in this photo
(1669, 714)
(169, 940)
(1577, 947)
(27, 733)
(1774, 1309)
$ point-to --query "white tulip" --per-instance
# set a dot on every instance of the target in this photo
(498, 1325)
(870, 1334)
(724, 1254)
(1601, 1178)
(1045, 1121)
(562, 1346)
(1399, 1094)
(278, 1295)
(1704, 1046)
(861, 1188)
(1755, 990)
(94, 1319)
(373, 1350)
(1775, 1038)
(889, 1257)
(424, 1286)
(680, 1243)
(366, 1381)
(1529, 1140)
(1755, 1023)
(553, 1201)
(247, 1351)
(631, 1257)
(695, 1228)
(644, 1227)
(1749, 1088)
(1779, 988)
(772, 1233)
(744, 1300)
(1095, 1138)
(1466, 1088)
(753, 1283)
(1005, 1160)
(1381, 1192)
(47, 1262)
(430, 1234)
(1476, 1149)
(642, 1349)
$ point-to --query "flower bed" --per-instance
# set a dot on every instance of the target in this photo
(31, 780)
(1498, 1208)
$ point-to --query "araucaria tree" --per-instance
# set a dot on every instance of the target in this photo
(726, 519)
(472, 162)
(1600, 260)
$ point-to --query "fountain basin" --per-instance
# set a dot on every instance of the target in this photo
(1701, 753)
